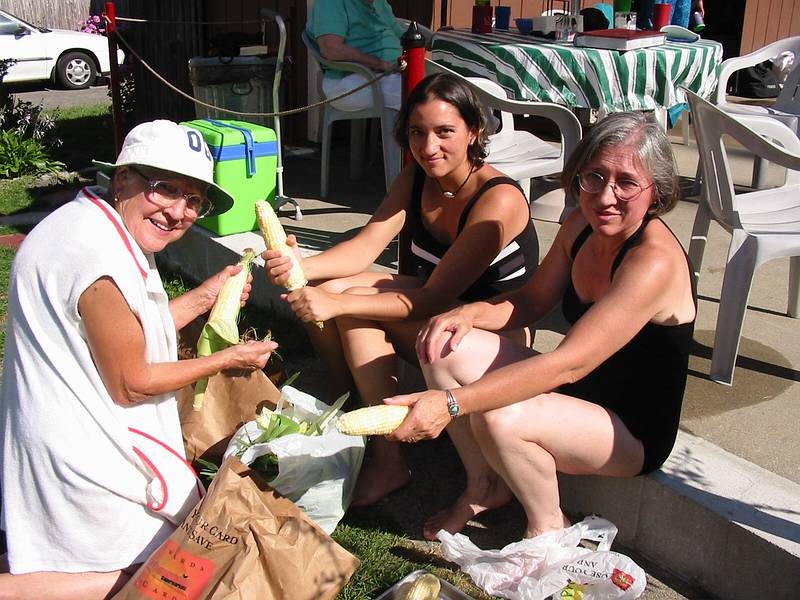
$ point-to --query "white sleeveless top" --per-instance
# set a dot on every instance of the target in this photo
(75, 492)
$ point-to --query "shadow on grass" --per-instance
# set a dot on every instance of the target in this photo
(85, 138)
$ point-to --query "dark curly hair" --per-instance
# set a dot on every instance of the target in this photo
(450, 89)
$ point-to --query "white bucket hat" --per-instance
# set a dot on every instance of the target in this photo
(167, 146)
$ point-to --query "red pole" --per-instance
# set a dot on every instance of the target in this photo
(414, 53)
(413, 44)
(116, 98)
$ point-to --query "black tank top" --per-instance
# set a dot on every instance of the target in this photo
(643, 382)
(509, 270)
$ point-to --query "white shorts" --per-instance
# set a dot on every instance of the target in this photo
(391, 86)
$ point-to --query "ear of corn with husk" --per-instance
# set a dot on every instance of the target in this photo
(273, 424)
(372, 420)
(222, 329)
(275, 239)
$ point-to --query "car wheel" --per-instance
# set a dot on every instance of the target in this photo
(76, 71)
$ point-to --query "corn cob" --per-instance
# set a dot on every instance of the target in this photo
(221, 330)
(275, 239)
(425, 587)
(372, 420)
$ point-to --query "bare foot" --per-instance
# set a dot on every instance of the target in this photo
(378, 479)
(533, 531)
(492, 493)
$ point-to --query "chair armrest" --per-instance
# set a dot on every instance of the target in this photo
(351, 67)
(787, 150)
(341, 65)
(755, 133)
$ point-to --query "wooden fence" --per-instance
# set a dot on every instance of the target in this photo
(55, 14)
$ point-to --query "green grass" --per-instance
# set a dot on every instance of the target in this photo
(6, 258)
(15, 195)
(87, 133)
(386, 558)
(173, 285)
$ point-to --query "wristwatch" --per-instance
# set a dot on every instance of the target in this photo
(452, 405)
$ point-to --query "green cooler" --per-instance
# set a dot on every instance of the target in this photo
(245, 165)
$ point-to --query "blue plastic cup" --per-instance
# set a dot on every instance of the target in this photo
(502, 17)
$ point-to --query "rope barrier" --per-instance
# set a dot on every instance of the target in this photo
(283, 113)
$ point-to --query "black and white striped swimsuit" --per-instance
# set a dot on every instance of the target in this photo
(509, 270)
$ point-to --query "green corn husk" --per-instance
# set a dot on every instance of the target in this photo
(222, 329)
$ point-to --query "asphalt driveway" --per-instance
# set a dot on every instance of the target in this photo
(55, 98)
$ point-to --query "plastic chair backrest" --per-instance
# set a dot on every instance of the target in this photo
(313, 52)
(754, 133)
(506, 129)
(789, 98)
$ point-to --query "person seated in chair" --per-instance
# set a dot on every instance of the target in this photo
(361, 31)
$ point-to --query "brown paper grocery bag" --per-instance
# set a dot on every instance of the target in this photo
(243, 540)
(230, 402)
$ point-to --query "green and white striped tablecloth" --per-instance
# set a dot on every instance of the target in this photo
(606, 80)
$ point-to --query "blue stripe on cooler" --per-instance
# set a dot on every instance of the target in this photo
(237, 152)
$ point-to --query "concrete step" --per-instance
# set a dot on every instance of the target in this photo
(715, 520)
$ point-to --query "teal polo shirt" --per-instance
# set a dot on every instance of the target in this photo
(370, 28)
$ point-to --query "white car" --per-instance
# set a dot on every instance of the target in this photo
(71, 58)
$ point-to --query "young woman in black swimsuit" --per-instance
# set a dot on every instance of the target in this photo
(472, 238)
(607, 400)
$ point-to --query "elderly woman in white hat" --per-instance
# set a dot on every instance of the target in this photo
(94, 477)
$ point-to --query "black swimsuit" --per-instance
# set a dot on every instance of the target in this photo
(643, 382)
(509, 270)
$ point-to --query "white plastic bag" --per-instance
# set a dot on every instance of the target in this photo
(536, 568)
(317, 473)
(782, 65)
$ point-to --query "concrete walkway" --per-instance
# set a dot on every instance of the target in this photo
(724, 512)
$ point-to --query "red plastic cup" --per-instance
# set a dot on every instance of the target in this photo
(661, 14)
(482, 19)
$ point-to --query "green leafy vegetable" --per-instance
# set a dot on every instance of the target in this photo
(272, 425)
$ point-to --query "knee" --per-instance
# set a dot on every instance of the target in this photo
(445, 367)
(498, 425)
(333, 286)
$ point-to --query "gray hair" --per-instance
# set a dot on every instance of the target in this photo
(649, 142)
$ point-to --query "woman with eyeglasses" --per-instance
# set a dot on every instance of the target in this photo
(94, 476)
(607, 400)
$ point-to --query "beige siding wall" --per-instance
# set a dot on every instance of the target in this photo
(56, 14)
(766, 21)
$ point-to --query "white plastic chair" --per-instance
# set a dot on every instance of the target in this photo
(764, 224)
(387, 116)
(520, 154)
(786, 108)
